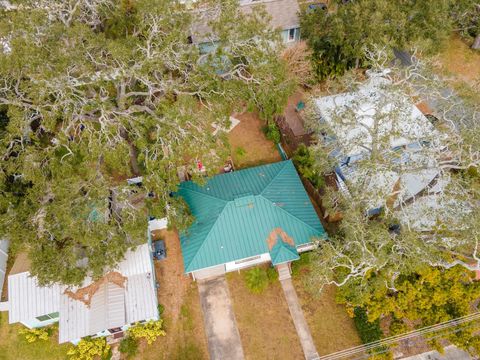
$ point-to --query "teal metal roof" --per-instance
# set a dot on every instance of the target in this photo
(235, 213)
(283, 252)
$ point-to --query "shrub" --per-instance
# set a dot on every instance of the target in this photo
(368, 331)
(302, 263)
(256, 279)
(90, 349)
(306, 166)
(272, 132)
(129, 346)
(272, 274)
(240, 152)
(149, 331)
(33, 335)
(161, 309)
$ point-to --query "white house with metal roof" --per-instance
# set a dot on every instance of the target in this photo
(124, 296)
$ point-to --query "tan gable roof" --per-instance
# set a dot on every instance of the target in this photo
(284, 13)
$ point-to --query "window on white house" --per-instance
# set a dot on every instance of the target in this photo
(51, 316)
(291, 34)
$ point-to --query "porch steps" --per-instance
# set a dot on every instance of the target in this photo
(283, 272)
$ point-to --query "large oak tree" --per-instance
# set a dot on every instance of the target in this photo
(93, 92)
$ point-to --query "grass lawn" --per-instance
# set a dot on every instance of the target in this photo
(264, 321)
(249, 145)
(331, 327)
(14, 347)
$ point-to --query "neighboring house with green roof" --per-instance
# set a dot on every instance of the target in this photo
(251, 216)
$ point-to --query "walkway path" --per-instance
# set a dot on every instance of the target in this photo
(292, 117)
(299, 320)
(220, 325)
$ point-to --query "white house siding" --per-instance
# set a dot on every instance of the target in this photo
(286, 35)
(209, 272)
(244, 263)
(34, 323)
(306, 247)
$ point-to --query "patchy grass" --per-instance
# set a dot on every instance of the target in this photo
(264, 321)
(331, 327)
(248, 136)
(457, 59)
(14, 347)
(182, 314)
(185, 339)
(461, 64)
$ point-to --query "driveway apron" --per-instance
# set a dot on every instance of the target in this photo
(220, 325)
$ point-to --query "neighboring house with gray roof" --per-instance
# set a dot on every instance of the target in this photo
(284, 16)
(124, 296)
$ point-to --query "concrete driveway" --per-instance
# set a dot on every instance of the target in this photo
(220, 325)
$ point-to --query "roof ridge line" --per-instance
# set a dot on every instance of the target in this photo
(208, 234)
(290, 214)
(276, 175)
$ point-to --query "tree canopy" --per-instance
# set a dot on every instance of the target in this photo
(338, 37)
(411, 187)
(93, 92)
(427, 297)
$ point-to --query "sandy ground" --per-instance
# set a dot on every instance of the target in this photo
(178, 294)
(461, 62)
(170, 275)
(248, 135)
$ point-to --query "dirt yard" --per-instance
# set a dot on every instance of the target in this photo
(249, 145)
(461, 65)
(461, 62)
(185, 339)
(264, 322)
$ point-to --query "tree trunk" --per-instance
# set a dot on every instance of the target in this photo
(133, 152)
(476, 42)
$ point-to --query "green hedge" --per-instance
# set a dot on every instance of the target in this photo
(368, 331)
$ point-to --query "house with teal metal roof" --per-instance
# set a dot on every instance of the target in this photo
(246, 217)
